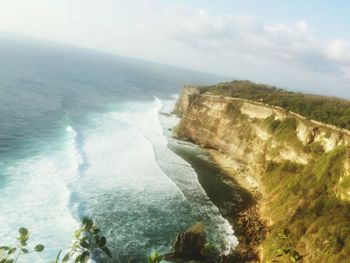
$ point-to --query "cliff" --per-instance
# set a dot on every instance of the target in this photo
(301, 166)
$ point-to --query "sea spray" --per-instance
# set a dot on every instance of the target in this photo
(36, 197)
(180, 172)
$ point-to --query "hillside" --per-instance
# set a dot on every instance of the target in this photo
(301, 168)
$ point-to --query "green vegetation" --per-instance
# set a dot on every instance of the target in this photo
(284, 131)
(87, 241)
(243, 127)
(155, 257)
(286, 252)
(325, 109)
(271, 123)
(315, 148)
(11, 254)
(304, 202)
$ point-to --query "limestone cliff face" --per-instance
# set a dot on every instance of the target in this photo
(302, 167)
(253, 133)
(187, 95)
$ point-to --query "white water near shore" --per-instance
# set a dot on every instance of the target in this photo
(67, 150)
(179, 171)
(119, 171)
(219, 228)
(36, 196)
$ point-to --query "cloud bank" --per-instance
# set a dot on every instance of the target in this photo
(247, 36)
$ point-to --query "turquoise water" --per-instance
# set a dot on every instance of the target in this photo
(81, 135)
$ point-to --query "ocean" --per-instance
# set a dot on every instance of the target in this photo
(81, 135)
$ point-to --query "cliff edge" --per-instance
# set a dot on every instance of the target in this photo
(301, 166)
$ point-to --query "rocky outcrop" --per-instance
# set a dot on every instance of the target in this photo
(187, 95)
(189, 244)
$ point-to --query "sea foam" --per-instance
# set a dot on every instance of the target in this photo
(120, 172)
(36, 197)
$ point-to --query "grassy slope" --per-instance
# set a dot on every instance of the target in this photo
(325, 109)
(303, 200)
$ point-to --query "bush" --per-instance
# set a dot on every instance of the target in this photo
(87, 241)
(325, 109)
(10, 254)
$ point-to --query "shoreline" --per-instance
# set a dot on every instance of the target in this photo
(246, 220)
(237, 171)
(249, 225)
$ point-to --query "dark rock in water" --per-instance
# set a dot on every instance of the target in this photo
(192, 246)
(188, 245)
(164, 114)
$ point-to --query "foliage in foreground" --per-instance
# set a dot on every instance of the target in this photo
(10, 254)
(155, 257)
(87, 242)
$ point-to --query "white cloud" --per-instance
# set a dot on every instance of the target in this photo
(339, 50)
(247, 36)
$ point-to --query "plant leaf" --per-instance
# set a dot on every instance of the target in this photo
(84, 244)
(77, 233)
(39, 248)
(88, 223)
(23, 231)
(77, 259)
(23, 243)
(11, 251)
(66, 258)
(58, 256)
(85, 257)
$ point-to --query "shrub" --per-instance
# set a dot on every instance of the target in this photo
(325, 109)
(87, 241)
(10, 254)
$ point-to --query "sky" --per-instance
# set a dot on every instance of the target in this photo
(296, 44)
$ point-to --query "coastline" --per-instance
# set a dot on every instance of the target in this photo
(245, 218)
(249, 225)
(304, 168)
(237, 171)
